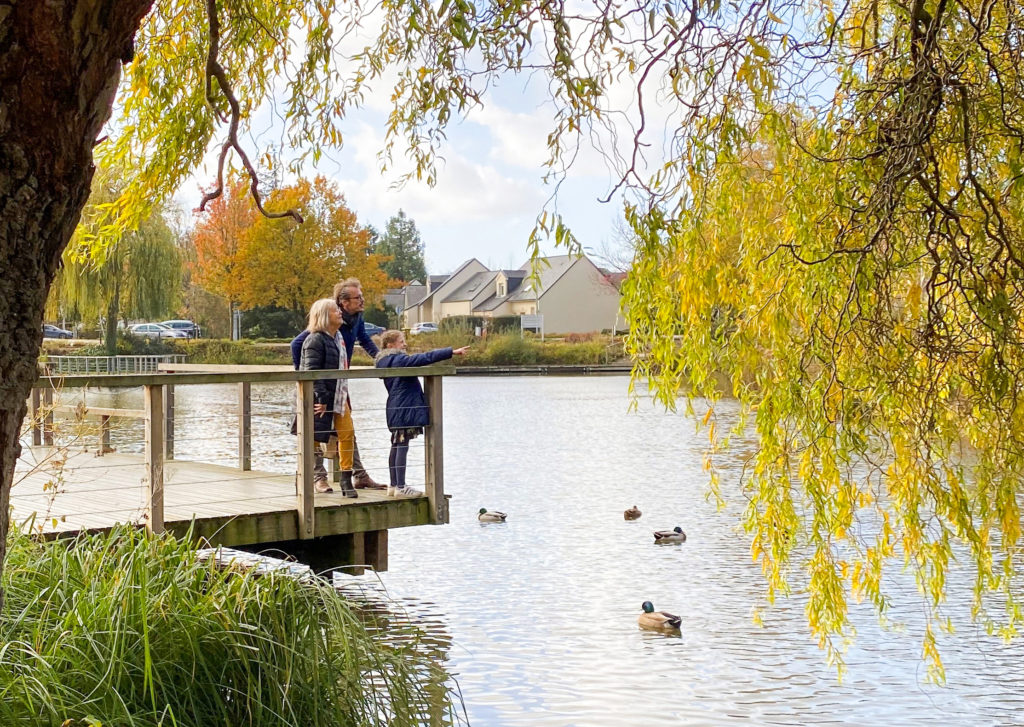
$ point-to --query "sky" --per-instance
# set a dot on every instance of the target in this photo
(490, 187)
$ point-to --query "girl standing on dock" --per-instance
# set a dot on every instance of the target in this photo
(325, 349)
(407, 408)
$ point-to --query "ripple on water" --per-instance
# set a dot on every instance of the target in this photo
(536, 617)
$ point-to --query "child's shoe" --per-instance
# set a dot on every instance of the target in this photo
(408, 492)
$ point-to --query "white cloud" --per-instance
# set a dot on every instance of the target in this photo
(465, 191)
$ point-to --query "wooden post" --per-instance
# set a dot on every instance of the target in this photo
(104, 435)
(305, 479)
(48, 416)
(245, 426)
(434, 451)
(37, 433)
(375, 547)
(169, 421)
(155, 443)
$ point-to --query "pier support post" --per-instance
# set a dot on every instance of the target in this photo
(155, 444)
(245, 426)
(434, 451)
(375, 547)
(104, 436)
(169, 421)
(304, 416)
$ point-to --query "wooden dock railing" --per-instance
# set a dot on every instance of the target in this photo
(158, 414)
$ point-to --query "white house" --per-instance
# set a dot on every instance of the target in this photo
(572, 294)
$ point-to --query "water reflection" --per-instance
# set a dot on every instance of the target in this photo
(536, 617)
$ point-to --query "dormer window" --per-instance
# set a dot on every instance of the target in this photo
(501, 288)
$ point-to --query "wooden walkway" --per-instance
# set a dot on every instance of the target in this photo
(219, 505)
(224, 505)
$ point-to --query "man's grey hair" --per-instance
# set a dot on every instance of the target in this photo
(344, 285)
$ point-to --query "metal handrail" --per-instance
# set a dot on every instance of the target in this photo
(109, 365)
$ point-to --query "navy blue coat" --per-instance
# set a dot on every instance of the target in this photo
(407, 406)
(350, 333)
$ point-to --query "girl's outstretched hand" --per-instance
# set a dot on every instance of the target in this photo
(460, 351)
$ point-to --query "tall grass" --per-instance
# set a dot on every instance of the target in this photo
(129, 629)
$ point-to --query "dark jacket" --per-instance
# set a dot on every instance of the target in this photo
(351, 331)
(319, 352)
(407, 406)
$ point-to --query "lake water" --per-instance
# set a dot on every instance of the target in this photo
(536, 618)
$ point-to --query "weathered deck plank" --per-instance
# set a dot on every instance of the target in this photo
(222, 504)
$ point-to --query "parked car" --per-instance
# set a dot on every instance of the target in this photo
(372, 329)
(426, 327)
(155, 330)
(190, 328)
(56, 332)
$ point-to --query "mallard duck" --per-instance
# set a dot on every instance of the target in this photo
(491, 516)
(651, 619)
(675, 535)
(632, 513)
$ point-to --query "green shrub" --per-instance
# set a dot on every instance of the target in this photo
(504, 324)
(129, 629)
(461, 324)
(510, 351)
(516, 350)
(222, 351)
(129, 345)
(272, 322)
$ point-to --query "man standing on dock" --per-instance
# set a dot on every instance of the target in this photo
(348, 294)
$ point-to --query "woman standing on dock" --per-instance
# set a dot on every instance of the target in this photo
(324, 349)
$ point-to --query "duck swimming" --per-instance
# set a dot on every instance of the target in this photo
(675, 535)
(491, 516)
(651, 619)
(632, 513)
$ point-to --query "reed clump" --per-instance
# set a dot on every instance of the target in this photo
(127, 629)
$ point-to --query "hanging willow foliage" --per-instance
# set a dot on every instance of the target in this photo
(826, 198)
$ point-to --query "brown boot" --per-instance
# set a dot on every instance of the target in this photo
(363, 481)
(322, 485)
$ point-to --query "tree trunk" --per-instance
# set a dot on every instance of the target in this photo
(110, 323)
(60, 62)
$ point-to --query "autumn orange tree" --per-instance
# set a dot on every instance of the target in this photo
(216, 239)
(255, 261)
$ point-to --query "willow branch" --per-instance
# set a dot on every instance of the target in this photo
(214, 70)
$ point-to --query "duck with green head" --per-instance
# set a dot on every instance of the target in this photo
(491, 516)
(675, 535)
(651, 619)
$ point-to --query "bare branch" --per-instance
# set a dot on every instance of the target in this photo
(214, 70)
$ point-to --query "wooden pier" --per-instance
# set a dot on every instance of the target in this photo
(63, 492)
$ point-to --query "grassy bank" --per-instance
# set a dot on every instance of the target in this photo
(130, 630)
(508, 350)
(512, 350)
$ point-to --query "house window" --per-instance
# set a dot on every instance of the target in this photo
(501, 288)
(533, 310)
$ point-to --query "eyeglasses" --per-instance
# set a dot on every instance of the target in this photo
(353, 297)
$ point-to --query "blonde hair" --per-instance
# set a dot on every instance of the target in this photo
(389, 337)
(340, 288)
(320, 315)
